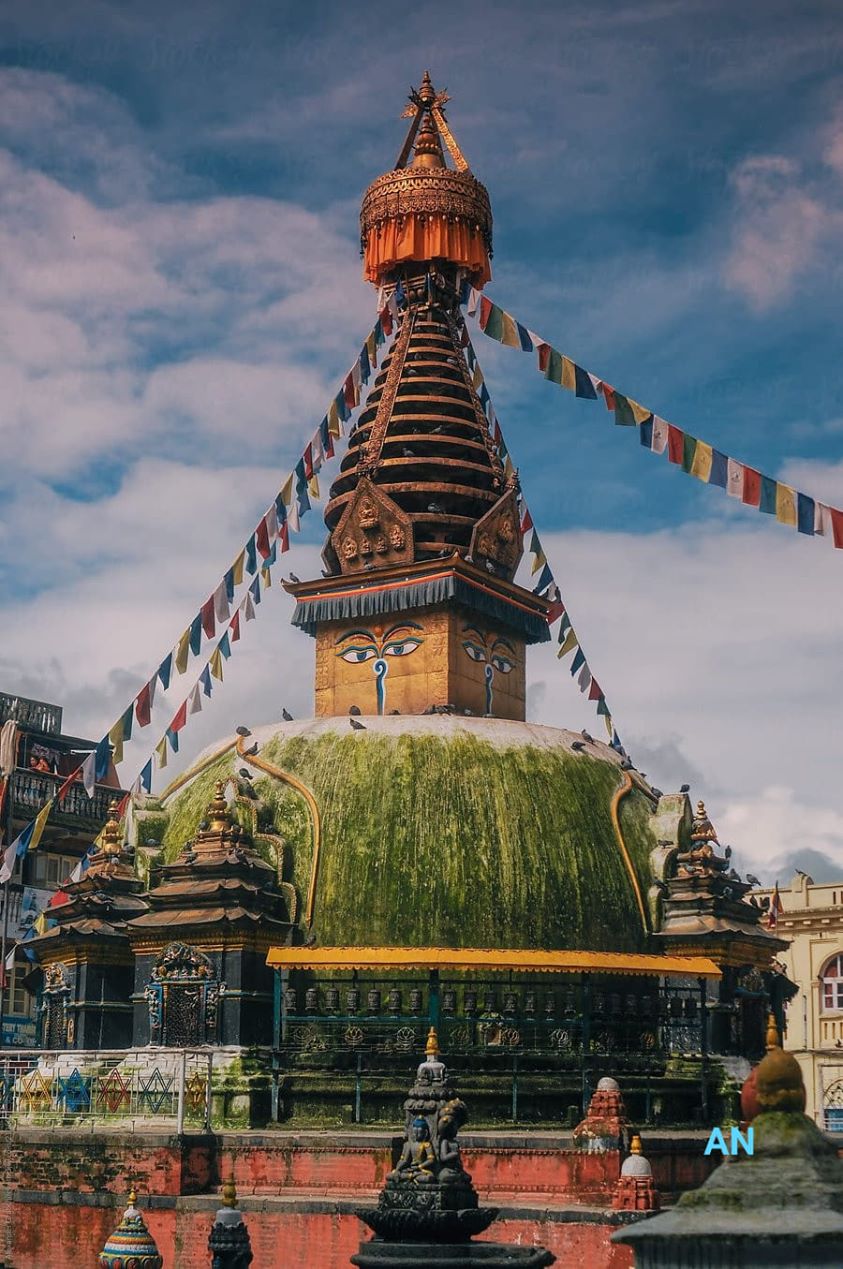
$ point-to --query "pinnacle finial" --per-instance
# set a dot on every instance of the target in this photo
(133, 1196)
(773, 1039)
(635, 1144)
(229, 1193)
(218, 816)
(110, 843)
(431, 1049)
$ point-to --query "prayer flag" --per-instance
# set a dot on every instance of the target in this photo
(237, 569)
(545, 579)
(524, 338)
(608, 396)
(89, 773)
(224, 646)
(115, 737)
(564, 626)
(365, 369)
(215, 664)
(584, 678)
(689, 450)
(102, 759)
(334, 426)
(249, 607)
(719, 469)
(624, 415)
(284, 537)
(266, 574)
(584, 386)
(326, 438)
(262, 539)
(271, 519)
(786, 504)
(578, 662)
(640, 412)
(206, 613)
(675, 443)
(509, 331)
(205, 680)
(255, 590)
(805, 513)
(836, 526)
(183, 651)
(751, 486)
(196, 634)
(734, 478)
(536, 551)
(221, 610)
(767, 496)
(235, 626)
(660, 435)
(179, 718)
(173, 738)
(526, 521)
(161, 753)
(165, 670)
(146, 777)
(71, 779)
(127, 721)
(569, 643)
(10, 855)
(603, 710)
(228, 580)
(701, 466)
(594, 692)
(645, 434)
(307, 459)
(251, 556)
(194, 705)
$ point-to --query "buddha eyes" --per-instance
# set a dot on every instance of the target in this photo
(401, 647)
(474, 651)
(357, 655)
(503, 664)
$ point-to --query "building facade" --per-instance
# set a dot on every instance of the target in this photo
(810, 916)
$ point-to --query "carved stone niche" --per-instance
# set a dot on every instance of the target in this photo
(497, 537)
(372, 530)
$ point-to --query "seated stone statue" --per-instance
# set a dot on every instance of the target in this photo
(418, 1158)
(451, 1119)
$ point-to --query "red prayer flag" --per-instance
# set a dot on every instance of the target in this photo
(555, 611)
(594, 692)
(284, 537)
(206, 612)
(751, 487)
(527, 522)
(485, 312)
(70, 780)
(837, 526)
(235, 626)
(308, 461)
(386, 320)
(544, 357)
(675, 443)
(57, 897)
(122, 806)
(179, 719)
(497, 434)
(609, 397)
(348, 392)
(328, 446)
(143, 707)
(262, 539)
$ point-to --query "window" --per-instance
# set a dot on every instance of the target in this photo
(832, 983)
(19, 1002)
(49, 871)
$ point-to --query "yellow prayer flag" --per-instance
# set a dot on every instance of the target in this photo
(569, 644)
(215, 663)
(639, 412)
(313, 486)
(334, 424)
(287, 492)
(266, 573)
(508, 468)
(116, 738)
(785, 504)
(183, 651)
(509, 331)
(237, 568)
(40, 923)
(569, 374)
(610, 726)
(477, 379)
(701, 465)
(40, 822)
(372, 349)
(161, 753)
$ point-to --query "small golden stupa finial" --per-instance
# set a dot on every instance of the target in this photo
(229, 1193)
(428, 150)
(426, 93)
(218, 816)
(773, 1040)
(133, 1196)
(702, 828)
(431, 1049)
(110, 842)
(635, 1144)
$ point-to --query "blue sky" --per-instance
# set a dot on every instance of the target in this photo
(181, 291)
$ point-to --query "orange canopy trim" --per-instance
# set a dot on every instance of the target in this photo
(424, 238)
(448, 958)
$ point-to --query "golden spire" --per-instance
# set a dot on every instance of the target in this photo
(110, 843)
(428, 149)
(229, 1193)
(219, 819)
(702, 829)
(773, 1040)
(133, 1196)
(431, 1050)
(635, 1144)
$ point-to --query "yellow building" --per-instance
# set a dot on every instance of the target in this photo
(811, 917)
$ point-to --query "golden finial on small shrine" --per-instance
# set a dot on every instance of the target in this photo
(635, 1144)
(773, 1040)
(110, 842)
(133, 1196)
(702, 829)
(218, 811)
(229, 1193)
(431, 1049)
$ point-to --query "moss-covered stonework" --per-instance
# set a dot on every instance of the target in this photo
(449, 839)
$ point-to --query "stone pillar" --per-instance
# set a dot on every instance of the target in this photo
(229, 1242)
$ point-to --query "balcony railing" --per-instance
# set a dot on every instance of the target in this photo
(31, 789)
(34, 715)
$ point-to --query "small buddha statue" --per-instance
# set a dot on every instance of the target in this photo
(451, 1118)
(418, 1157)
(431, 1070)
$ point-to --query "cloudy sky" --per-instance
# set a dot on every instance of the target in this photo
(180, 292)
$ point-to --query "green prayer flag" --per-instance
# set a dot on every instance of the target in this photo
(689, 449)
(624, 415)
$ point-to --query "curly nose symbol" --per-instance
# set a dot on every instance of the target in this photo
(489, 673)
(380, 669)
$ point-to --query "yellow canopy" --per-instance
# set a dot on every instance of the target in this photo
(462, 958)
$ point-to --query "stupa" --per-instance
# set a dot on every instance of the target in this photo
(445, 862)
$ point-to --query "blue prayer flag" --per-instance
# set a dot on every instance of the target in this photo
(224, 646)
(578, 661)
(767, 501)
(545, 579)
(165, 669)
(229, 585)
(805, 513)
(719, 469)
(524, 337)
(251, 556)
(584, 387)
(205, 680)
(196, 634)
(255, 590)
(146, 777)
(103, 759)
(173, 737)
(646, 436)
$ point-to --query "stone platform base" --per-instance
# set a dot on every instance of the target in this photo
(383, 1255)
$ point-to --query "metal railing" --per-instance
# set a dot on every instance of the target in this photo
(31, 789)
(107, 1088)
(37, 715)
